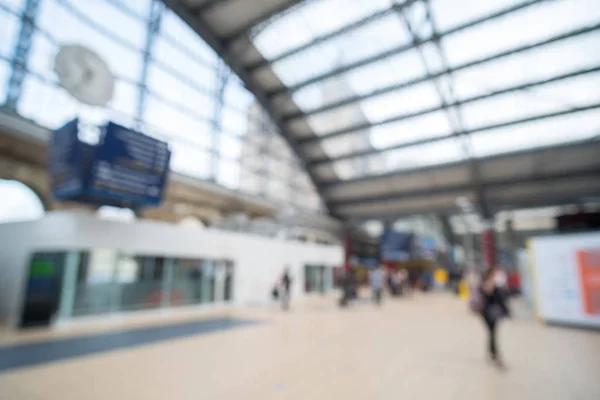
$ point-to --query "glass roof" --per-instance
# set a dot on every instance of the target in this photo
(169, 84)
(388, 85)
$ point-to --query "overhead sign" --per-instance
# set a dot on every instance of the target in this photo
(395, 246)
(66, 161)
(127, 168)
(369, 262)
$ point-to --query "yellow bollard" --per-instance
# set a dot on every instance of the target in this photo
(441, 277)
(463, 289)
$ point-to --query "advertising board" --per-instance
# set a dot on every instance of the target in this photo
(566, 278)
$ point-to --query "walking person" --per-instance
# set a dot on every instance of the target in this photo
(347, 285)
(493, 309)
(392, 284)
(376, 278)
(286, 284)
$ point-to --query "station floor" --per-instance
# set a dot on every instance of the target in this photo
(423, 347)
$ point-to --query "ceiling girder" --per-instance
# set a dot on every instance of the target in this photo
(328, 185)
(425, 78)
(221, 46)
(327, 160)
(329, 36)
(579, 173)
(245, 30)
(206, 5)
(448, 101)
(520, 203)
(469, 100)
(399, 49)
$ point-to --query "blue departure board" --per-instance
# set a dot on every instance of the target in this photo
(125, 169)
(395, 246)
(66, 162)
(129, 166)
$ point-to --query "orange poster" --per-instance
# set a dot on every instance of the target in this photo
(589, 273)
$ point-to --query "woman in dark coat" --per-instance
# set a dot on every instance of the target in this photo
(494, 308)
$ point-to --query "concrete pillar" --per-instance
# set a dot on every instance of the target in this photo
(347, 252)
(488, 244)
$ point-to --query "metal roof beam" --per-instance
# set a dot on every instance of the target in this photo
(206, 5)
(328, 185)
(368, 152)
(399, 49)
(219, 47)
(363, 217)
(454, 112)
(521, 203)
(580, 173)
(426, 78)
(245, 30)
(537, 201)
(329, 36)
(469, 100)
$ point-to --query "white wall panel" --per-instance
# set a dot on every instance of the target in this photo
(259, 261)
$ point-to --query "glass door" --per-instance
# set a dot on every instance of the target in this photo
(208, 283)
(321, 279)
(220, 281)
(188, 286)
(228, 283)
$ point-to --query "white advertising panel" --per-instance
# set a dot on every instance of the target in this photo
(566, 275)
(523, 264)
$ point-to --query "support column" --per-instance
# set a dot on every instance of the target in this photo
(223, 74)
(21, 54)
(347, 252)
(152, 30)
(488, 244)
(469, 243)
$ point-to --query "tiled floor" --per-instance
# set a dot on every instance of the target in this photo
(28, 354)
(427, 347)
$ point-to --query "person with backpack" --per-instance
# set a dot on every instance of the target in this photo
(490, 302)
